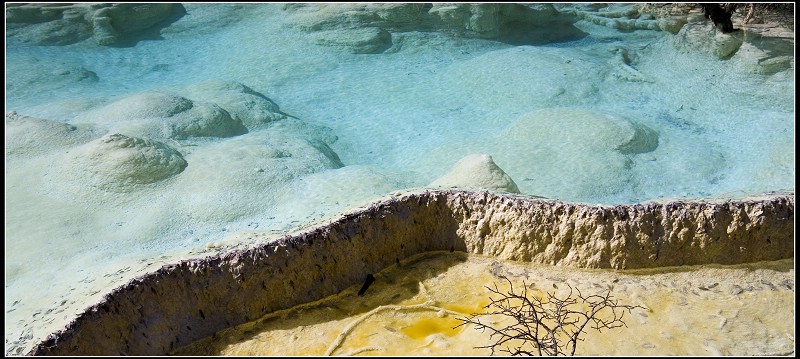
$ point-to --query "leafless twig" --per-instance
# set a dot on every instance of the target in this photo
(550, 325)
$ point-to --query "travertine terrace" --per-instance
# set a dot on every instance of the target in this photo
(192, 299)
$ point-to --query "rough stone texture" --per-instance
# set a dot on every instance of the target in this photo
(766, 48)
(755, 49)
(704, 37)
(519, 24)
(111, 23)
(367, 28)
(119, 163)
(477, 171)
(192, 299)
(63, 24)
(626, 17)
(48, 24)
(631, 236)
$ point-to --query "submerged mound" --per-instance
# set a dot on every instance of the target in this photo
(120, 163)
(145, 105)
(367, 40)
(244, 175)
(251, 108)
(30, 136)
(166, 116)
(597, 130)
(213, 108)
(595, 157)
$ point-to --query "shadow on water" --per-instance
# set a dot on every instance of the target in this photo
(522, 33)
(773, 46)
(153, 32)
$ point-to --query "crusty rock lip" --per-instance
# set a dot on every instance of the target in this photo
(182, 302)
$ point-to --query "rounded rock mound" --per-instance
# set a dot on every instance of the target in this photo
(162, 116)
(251, 108)
(565, 153)
(148, 105)
(592, 128)
(29, 136)
(593, 157)
(120, 163)
(64, 24)
(477, 171)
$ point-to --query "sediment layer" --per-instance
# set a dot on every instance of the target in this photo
(192, 299)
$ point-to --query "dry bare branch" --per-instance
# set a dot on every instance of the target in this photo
(550, 325)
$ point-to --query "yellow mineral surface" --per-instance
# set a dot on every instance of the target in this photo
(413, 308)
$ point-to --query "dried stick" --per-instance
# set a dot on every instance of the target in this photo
(550, 325)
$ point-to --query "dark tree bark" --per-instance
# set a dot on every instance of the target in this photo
(750, 11)
(721, 15)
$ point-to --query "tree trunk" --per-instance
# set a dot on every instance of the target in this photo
(721, 15)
